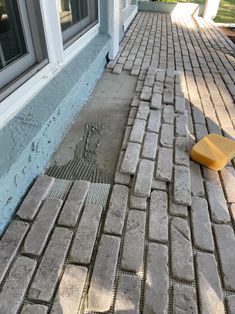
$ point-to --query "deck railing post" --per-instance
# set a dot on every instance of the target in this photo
(114, 11)
(211, 9)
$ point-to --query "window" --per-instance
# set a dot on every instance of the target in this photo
(76, 16)
(22, 42)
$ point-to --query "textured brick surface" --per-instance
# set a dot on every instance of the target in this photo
(16, 285)
(117, 210)
(34, 198)
(68, 297)
(153, 124)
(137, 133)
(86, 233)
(144, 178)
(41, 228)
(50, 268)
(210, 294)
(197, 187)
(10, 243)
(74, 203)
(34, 309)
(217, 203)
(225, 241)
(150, 146)
(182, 186)
(100, 290)
(184, 300)
(138, 202)
(156, 285)
(131, 158)
(164, 164)
(132, 258)
(158, 222)
(167, 135)
(121, 178)
(181, 250)
(128, 295)
(228, 179)
(202, 232)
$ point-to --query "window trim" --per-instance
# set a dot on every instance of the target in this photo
(58, 58)
(21, 64)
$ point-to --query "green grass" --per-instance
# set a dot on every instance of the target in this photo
(226, 13)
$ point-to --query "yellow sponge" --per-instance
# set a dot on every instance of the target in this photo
(213, 151)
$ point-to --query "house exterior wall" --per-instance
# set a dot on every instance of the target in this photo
(31, 136)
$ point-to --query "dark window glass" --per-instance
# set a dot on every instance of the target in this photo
(76, 15)
(12, 44)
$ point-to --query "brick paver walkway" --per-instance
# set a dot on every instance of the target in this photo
(165, 243)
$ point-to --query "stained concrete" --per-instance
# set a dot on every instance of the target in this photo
(109, 106)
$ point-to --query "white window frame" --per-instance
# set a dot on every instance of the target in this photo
(21, 64)
(58, 58)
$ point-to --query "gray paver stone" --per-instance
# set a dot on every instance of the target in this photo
(102, 280)
(158, 185)
(144, 178)
(34, 309)
(128, 295)
(10, 243)
(167, 135)
(86, 233)
(121, 178)
(202, 232)
(42, 226)
(154, 121)
(74, 203)
(182, 185)
(181, 250)
(156, 285)
(168, 114)
(137, 202)
(132, 116)
(69, 294)
(225, 241)
(210, 294)
(50, 268)
(164, 164)
(126, 137)
(218, 206)
(143, 110)
(137, 133)
(117, 210)
(133, 250)
(228, 180)
(156, 101)
(150, 145)
(14, 289)
(131, 158)
(158, 222)
(146, 93)
(231, 304)
(197, 187)
(181, 151)
(179, 104)
(184, 300)
(200, 131)
(181, 125)
(34, 198)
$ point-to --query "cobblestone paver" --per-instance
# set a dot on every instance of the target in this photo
(165, 241)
